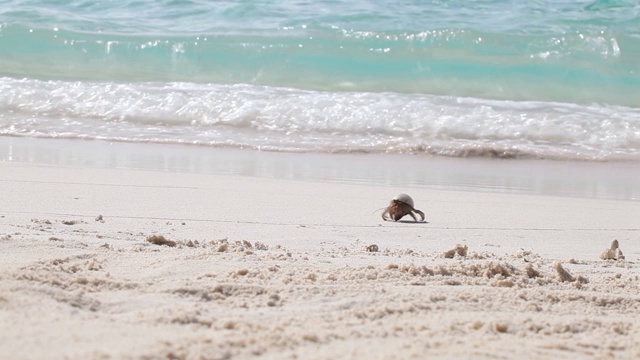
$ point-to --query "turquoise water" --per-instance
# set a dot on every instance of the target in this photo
(537, 79)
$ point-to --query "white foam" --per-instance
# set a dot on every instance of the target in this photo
(295, 120)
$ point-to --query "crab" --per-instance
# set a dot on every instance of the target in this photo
(400, 206)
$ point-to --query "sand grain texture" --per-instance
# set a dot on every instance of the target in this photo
(284, 269)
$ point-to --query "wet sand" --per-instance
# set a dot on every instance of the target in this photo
(600, 180)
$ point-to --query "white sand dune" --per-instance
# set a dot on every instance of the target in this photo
(280, 269)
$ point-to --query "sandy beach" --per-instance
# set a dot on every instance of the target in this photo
(283, 269)
(193, 180)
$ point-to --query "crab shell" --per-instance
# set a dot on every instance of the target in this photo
(405, 199)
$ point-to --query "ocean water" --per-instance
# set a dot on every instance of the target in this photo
(544, 79)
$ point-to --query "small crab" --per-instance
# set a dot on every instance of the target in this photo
(400, 206)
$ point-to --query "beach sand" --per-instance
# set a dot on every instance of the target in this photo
(280, 268)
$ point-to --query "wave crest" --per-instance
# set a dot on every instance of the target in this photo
(284, 119)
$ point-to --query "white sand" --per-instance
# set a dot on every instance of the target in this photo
(279, 269)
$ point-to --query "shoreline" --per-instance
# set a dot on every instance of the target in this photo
(576, 179)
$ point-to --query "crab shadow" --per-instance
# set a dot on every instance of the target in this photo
(409, 222)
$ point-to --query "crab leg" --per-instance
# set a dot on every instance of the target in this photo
(384, 215)
(419, 213)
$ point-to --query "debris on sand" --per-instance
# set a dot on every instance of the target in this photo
(613, 253)
(458, 250)
(260, 246)
(160, 240)
(531, 272)
(565, 276)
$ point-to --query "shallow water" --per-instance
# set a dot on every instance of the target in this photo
(506, 79)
